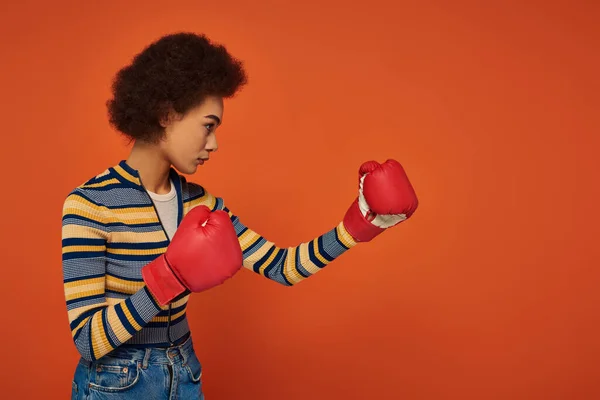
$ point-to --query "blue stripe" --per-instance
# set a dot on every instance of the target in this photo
(154, 324)
(257, 243)
(178, 319)
(83, 316)
(125, 278)
(82, 254)
(80, 278)
(155, 223)
(311, 255)
(116, 292)
(149, 295)
(196, 196)
(145, 204)
(337, 238)
(106, 331)
(299, 267)
(115, 186)
(80, 193)
(132, 257)
(264, 258)
(110, 186)
(123, 318)
(124, 180)
(82, 218)
(96, 296)
(322, 250)
(136, 316)
(285, 254)
(277, 263)
(91, 346)
(138, 246)
(158, 324)
(98, 179)
(77, 334)
(83, 242)
(218, 204)
(123, 164)
(140, 225)
(241, 231)
(175, 310)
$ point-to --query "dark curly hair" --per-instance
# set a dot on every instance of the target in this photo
(175, 72)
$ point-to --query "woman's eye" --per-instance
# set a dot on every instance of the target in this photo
(209, 127)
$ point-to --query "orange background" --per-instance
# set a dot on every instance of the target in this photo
(489, 292)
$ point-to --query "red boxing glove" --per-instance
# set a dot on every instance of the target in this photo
(204, 252)
(385, 198)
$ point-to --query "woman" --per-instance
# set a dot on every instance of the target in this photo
(128, 275)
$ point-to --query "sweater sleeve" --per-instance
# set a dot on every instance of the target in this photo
(285, 265)
(96, 327)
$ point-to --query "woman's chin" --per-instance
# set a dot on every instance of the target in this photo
(187, 169)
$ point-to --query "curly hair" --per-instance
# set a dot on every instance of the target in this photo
(175, 72)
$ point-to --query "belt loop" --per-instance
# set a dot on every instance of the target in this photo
(184, 355)
(186, 348)
(146, 357)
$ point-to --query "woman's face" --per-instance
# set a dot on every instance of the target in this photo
(190, 138)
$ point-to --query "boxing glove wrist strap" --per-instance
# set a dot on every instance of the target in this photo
(358, 226)
(161, 281)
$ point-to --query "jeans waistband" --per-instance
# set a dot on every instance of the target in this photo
(150, 355)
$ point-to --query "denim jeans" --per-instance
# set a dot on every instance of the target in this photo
(141, 374)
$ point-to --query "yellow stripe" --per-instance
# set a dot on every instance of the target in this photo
(89, 249)
(137, 252)
(257, 255)
(150, 220)
(290, 269)
(122, 285)
(82, 232)
(247, 239)
(180, 302)
(103, 174)
(207, 199)
(133, 210)
(137, 237)
(165, 319)
(117, 325)
(84, 282)
(88, 290)
(76, 204)
(130, 318)
(317, 253)
(194, 202)
(102, 184)
(111, 301)
(274, 254)
(344, 236)
(99, 340)
(126, 174)
(133, 216)
(305, 259)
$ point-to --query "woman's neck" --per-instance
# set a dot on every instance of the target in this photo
(152, 166)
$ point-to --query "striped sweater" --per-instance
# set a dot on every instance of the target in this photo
(110, 230)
